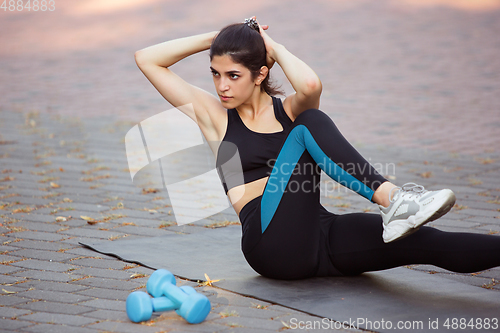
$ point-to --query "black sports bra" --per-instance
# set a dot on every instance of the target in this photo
(244, 155)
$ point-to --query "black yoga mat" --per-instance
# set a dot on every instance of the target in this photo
(373, 301)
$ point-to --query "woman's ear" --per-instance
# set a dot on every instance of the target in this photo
(264, 71)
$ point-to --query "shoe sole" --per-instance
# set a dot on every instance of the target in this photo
(442, 210)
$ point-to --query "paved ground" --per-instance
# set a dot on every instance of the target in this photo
(422, 80)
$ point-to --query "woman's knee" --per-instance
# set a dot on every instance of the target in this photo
(313, 117)
(306, 114)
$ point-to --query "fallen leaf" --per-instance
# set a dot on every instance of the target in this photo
(54, 185)
(208, 282)
(149, 190)
(485, 160)
(89, 220)
(427, 174)
(22, 210)
(7, 178)
(67, 200)
(61, 219)
(222, 224)
(459, 207)
(137, 275)
(8, 292)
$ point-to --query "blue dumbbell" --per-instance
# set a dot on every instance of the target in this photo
(140, 306)
(193, 307)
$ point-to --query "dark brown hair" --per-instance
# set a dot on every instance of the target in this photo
(245, 46)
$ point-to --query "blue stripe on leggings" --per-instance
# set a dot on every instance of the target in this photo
(296, 143)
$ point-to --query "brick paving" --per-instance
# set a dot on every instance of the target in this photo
(423, 80)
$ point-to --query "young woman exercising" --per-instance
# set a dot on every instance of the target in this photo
(269, 158)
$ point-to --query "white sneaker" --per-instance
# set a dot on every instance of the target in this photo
(411, 207)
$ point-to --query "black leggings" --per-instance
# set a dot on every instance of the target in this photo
(288, 234)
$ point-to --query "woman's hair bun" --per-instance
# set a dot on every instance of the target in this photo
(252, 23)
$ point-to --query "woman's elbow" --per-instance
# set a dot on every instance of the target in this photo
(139, 58)
(313, 87)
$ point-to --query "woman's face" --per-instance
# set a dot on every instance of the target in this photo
(233, 82)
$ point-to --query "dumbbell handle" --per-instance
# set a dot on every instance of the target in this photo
(163, 304)
(174, 293)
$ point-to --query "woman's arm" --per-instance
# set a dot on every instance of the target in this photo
(168, 53)
(154, 61)
(303, 79)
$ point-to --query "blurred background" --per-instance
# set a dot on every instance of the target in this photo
(404, 73)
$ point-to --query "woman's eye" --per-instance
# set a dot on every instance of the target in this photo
(234, 76)
(215, 73)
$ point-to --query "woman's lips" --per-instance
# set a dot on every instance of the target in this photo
(225, 98)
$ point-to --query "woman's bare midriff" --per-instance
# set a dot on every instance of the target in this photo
(242, 194)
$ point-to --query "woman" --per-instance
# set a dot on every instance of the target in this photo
(268, 157)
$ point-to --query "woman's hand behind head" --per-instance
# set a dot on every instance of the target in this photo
(269, 42)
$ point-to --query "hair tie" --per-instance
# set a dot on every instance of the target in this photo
(252, 23)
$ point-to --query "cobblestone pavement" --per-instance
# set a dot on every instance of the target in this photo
(423, 74)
